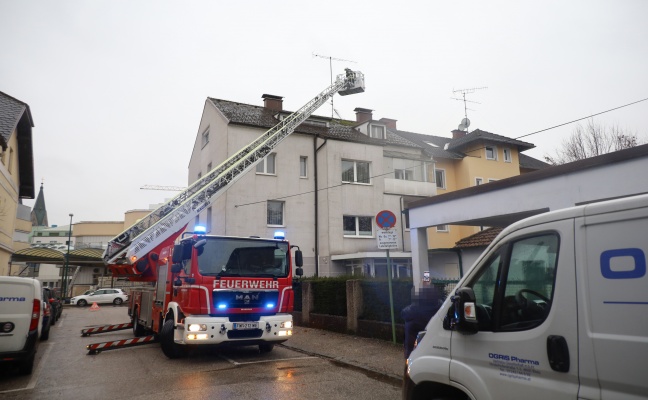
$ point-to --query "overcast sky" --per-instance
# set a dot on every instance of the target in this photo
(117, 88)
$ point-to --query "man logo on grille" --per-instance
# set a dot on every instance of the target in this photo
(246, 298)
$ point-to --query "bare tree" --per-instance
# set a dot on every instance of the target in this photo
(592, 140)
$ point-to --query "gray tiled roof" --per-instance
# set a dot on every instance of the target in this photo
(11, 111)
(435, 149)
(478, 135)
(532, 163)
(260, 117)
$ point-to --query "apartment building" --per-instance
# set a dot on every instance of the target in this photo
(16, 175)
(322, 186)
(464, 160)
(325, 183)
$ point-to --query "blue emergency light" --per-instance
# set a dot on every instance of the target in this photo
(280, 235)
(200, 229)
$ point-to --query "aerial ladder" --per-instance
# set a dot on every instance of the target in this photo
(126, 254)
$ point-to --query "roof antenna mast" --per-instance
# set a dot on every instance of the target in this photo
(465, 123)
(331, 59)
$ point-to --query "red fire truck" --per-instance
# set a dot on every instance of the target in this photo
(211, 290)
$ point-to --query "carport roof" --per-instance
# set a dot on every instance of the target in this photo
(50, 256)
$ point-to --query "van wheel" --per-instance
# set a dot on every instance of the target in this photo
(27, 366)
(118, 301)
(266, 347)
(82, 303)
(170, 348)
(45, 335)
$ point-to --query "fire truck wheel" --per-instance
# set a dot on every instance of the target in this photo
(170, 348)
(266, 347)
(138, 330)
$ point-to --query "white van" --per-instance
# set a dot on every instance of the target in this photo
(21, 305)
(555, 308)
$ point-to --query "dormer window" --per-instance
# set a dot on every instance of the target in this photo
(377, 131)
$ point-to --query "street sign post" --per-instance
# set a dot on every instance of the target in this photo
(388, 239)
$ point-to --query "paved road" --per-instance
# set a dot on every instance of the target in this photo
(65, 371)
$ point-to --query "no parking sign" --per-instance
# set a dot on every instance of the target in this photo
(387, 236)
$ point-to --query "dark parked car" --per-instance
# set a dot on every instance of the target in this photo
(51, 297)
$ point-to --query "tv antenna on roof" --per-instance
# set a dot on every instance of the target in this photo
(331, 59)
(465, 122)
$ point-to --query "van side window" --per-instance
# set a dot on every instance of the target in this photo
(514, 288)
(529, 283)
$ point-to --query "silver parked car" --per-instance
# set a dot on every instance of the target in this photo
(108, 295)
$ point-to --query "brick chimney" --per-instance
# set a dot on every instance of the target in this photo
(391, 123)
(456, 134)
(271, 102)
(363, 114)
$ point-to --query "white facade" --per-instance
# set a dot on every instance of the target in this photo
(243, 209)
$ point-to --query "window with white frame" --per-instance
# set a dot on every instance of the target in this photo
(439, 175)
(357, 226)
(205, 137)
(491, 153)
(303, 167)
(355, 171)
(507, 155)
(404, 174)
(275, 213)
(479, 181)
(267, 165)
(442, 228)
(377, 131)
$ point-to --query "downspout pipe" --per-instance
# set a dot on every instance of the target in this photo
(315, 150)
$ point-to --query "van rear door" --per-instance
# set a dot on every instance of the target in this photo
(525, 300)
(16, 305)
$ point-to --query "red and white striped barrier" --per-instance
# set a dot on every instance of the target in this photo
(120, 344)
(105, 328)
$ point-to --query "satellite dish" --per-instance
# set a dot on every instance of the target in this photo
(465, 123)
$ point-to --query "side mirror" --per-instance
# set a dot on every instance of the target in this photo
(464, 319)
(299, 271)
(177, 282)
(177, 254)
(299, 258)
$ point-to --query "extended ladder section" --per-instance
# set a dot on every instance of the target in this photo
(167, 222)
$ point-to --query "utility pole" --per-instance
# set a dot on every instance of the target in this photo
(331, 59)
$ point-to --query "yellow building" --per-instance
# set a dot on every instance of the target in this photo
(16, 175)
(466, 160)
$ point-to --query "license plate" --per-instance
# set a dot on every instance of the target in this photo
(246, 325)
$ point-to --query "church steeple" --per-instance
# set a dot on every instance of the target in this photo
(39, 213)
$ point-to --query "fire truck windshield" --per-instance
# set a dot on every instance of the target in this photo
(243, 257)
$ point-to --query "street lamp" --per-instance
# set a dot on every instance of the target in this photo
(67, 260)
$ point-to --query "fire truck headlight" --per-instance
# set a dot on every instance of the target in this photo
(287, 324)
(197, 327)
